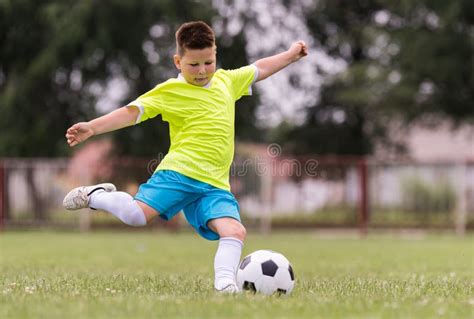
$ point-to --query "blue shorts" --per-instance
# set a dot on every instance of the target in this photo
(169, 192)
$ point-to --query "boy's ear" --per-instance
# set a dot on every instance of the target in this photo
(177, 61)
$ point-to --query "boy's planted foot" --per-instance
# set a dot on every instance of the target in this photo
(230, 288)
(79, 197)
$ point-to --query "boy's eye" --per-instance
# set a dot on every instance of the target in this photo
(208, 63)
(193, 64)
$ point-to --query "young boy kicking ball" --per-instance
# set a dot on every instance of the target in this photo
(194, 175)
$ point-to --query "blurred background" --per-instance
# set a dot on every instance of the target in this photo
(372, 130)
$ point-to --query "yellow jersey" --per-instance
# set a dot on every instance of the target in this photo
(201, 121)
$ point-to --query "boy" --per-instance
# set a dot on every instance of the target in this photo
(194, 175)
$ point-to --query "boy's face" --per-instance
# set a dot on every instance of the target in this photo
(197, 66)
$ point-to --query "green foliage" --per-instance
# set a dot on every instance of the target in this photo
(438, 65)
(406, 60)
(328, 216)
(142, 275)
(422, 197)
(57, 59)
(403, 218)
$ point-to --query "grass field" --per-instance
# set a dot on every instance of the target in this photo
(159, 275)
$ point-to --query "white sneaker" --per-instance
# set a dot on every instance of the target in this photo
(229, 289)
(79, 197)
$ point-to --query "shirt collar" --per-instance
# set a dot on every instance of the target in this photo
(181, 78)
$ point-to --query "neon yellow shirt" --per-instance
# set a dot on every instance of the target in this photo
(201, 121)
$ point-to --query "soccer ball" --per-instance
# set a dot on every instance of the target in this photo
(266, 272)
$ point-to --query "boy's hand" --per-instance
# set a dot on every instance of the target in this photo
(78, 133)
(298, 50)
(272, 64)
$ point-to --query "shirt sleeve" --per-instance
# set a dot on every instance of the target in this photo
(242, 80)
(149, 105)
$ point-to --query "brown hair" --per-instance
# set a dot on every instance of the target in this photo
(194, 35)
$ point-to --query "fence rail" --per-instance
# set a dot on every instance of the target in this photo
(272, 191)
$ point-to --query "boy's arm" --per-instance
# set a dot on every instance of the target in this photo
(270, 65)
(120, 118)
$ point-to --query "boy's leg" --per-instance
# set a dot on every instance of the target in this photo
(232, 235)
(104, 197)
(124, 207)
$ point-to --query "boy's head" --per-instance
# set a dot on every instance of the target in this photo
(194, 35)
(196, 52)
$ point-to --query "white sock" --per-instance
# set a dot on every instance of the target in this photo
(226, 261)
(120, 204)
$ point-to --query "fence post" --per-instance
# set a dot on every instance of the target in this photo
(266, 220)
(461, 205)
(3, 196)
(85, 220)
(363, 214)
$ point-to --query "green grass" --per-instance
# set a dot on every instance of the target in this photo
(158, 275)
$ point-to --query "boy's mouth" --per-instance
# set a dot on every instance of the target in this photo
(200, 79)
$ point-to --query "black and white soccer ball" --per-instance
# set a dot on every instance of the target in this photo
(266, 272)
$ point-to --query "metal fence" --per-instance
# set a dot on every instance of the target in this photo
(273, 191)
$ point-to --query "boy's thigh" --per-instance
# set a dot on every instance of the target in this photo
(217, 204)
(166, 194)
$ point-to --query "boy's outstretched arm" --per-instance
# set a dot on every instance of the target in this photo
(120, 118)
(270, 65)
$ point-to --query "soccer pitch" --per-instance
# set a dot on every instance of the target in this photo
(161, 275)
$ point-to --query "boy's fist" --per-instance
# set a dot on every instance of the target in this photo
(78, 133)
(298, 50)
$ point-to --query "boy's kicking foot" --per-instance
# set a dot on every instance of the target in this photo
(80, 197)
(106, 197)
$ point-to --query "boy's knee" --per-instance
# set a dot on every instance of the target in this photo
(228, 227)
(242, 233)
(237, 231)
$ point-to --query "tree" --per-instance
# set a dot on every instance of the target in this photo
(436, 58)
(406, 61)
(57, 58)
